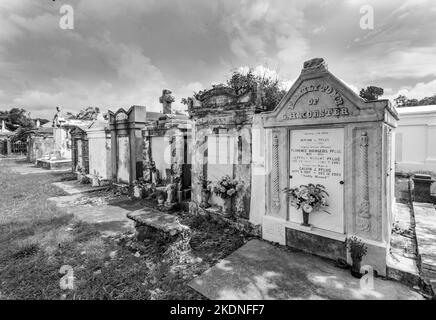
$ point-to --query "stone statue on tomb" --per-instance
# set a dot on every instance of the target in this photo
(58, 118)
(166, 99)
(155, 175)
(171, 192)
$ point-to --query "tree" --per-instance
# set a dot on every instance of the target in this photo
(16, 118)
(240, 82)
(271, 92)
(89, 113)
(371, 93)
(400, 101)
(403, 101)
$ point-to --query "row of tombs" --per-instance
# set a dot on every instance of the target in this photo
(233, 158)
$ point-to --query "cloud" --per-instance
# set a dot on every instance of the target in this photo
(123, 53)
(267, 30)
(419, 91)
(319, 30)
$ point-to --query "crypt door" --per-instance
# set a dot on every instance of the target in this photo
(317, 157)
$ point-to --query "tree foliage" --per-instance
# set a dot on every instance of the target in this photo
(403, 101)
(371, 93)
(16, 118)
(19, 121)
(270, 91)
(88, 113)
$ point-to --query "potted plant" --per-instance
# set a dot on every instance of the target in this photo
(226, 188)
(357, 250)
(160, 197)
(309, 198)
(137, 189)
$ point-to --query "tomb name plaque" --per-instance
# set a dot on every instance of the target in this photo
(317, 156)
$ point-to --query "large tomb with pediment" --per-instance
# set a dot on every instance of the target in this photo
(323, 133)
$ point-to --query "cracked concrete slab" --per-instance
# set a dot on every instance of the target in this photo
(259, 270)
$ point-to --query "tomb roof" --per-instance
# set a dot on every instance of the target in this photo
(318, 96)
(416, 110)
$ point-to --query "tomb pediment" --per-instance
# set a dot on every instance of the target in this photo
(218, 99)
(319, 97)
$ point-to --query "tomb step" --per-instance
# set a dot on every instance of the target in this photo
(156, 219)
(75, 187)
(402, 254)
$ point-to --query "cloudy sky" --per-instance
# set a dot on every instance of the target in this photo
(122, 53)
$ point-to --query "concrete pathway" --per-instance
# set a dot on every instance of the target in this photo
(75, 187)
(25, 168)
(402, 257)
(110, 219)
(259, 270)
(425, 217)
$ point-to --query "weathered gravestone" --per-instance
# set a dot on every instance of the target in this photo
(323, 133)
(100, 156)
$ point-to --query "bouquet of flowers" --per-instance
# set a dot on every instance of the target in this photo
(308, 197)
(226, 187)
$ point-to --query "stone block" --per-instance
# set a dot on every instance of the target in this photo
(315, 244)
(422, 188)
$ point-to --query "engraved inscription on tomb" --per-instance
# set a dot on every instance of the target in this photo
(315, 156)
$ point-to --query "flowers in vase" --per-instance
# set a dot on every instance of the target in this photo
(226, 187)
(309, 197)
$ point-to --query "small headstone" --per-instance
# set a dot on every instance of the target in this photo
(422, 188)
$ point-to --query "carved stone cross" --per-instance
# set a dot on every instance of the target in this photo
(166, 99)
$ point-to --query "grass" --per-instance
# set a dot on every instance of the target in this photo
(37, 239)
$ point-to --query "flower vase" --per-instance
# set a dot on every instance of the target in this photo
(227, 207)
(205, 198)
(305, 218)
(355, 269)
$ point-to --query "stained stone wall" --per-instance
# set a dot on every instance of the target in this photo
(100, 163)
(40, 144)
(322, 132)
(79, 150)
(167, 149)
(127, 143)
(62, 142)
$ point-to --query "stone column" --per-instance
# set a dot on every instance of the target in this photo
(8, 146)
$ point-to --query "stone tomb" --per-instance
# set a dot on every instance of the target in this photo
(222, 145)
(323, 133)
(100, 156)
(166, 158)
(5, 140)
(80, 151)
(127, 144)
(40, 143)
(60, 155)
